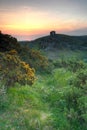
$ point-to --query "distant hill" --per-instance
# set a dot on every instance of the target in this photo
(58, 41)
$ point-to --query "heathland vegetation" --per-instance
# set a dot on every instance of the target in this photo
(43, 86)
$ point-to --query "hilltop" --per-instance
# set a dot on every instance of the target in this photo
(58, 41)
(55, 46)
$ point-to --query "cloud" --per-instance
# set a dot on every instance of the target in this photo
(44, 15)
(71, 7)
(45, 3)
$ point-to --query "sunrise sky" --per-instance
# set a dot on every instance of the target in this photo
(30, 19)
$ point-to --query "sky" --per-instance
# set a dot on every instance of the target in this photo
(30, 19)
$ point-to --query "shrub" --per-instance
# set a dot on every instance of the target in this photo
(71, 64)
(76, 108)
(76, 99)
(80, 80)
(12, 69)
(34, 58)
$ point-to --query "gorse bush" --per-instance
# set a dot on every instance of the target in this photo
(75, 102)
(76, 99)
(13, 70)
(80, 80)
(34, 58)
(70, 64)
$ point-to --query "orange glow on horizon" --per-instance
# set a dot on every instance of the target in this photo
(36, 29)
(33, 22)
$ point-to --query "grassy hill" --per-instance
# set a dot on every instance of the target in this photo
(59, 41)
(57, 99)
(60, 45)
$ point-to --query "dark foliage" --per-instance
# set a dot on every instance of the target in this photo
(7, 43)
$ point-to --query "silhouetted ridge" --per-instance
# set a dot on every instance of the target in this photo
(59, 41)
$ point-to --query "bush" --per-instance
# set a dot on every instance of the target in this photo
(35, 59)
(71, 64)
(80, 80)
(76, 108)
(76, 99)
(13, 70)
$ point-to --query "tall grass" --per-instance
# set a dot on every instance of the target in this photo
(46, 105)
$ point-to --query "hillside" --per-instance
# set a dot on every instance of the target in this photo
(41, 94)
(60, 45)
(58, 41)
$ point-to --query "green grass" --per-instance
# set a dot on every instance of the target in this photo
(25, 110)
(41, 106)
